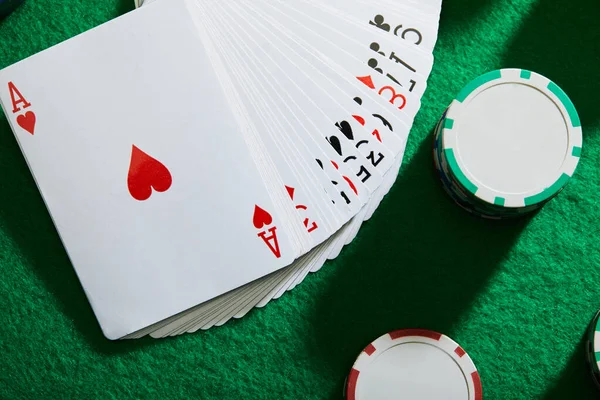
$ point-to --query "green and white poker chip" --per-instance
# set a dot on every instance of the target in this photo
(593, 348)
(510, 141)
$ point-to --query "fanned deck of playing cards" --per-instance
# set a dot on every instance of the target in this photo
(199, 157)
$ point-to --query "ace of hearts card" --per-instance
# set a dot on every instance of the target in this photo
(144, 171)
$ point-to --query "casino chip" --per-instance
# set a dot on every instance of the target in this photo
(413, 364)
(7, 6)
(507, 144)
(593, 348)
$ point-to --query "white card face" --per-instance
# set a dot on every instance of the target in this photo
(143, 168)
(342, 86)
(315, 120)
(299, 129)
(305, 182)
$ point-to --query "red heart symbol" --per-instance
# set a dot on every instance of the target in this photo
(146, 173)
(27, 121)
(261, 217)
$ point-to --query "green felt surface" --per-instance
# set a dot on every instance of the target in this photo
(516, 295)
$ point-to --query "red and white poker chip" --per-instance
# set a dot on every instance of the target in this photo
(413, 364)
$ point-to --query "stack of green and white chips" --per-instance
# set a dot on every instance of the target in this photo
(508, 143)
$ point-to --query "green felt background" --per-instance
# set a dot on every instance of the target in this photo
(516, 295)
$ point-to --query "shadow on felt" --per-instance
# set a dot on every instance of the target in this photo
(575, 381)
(418, 263)
(457, 13)
(421, 260)
(560, 39)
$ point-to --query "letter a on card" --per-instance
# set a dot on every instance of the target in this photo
(262, 218)
(17, 98)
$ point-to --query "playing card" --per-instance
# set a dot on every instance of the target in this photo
(144, 171)
(398, 60)
(358, 106)
(316, 109)
(305, 182)
(286, 110)
(362, 54)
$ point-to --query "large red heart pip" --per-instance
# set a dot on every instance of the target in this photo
(146, 173)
